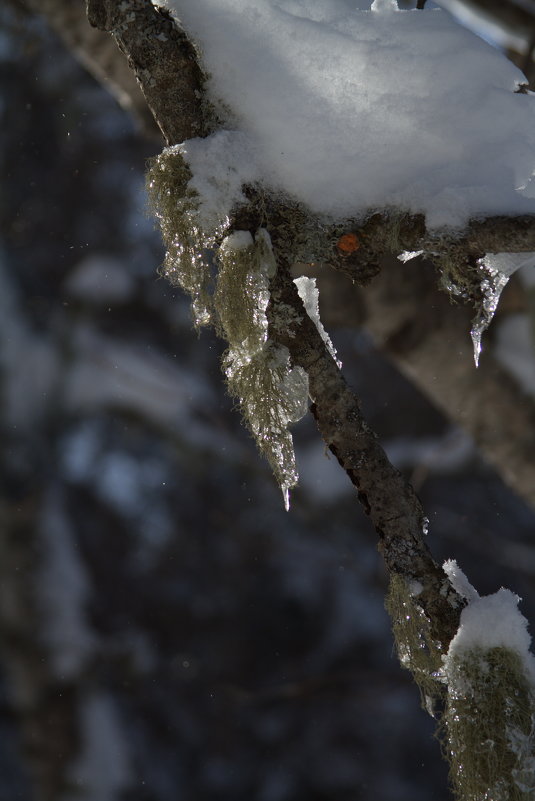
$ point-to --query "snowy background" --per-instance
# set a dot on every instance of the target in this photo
(168, 631)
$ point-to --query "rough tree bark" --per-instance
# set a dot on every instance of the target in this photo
(163, 60)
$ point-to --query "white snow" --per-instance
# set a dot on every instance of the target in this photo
(350, 110)
(459, 581)
(221, 164)
(28, 359)
(238, 240)
(408, 255)
(384, 5)
(490, 621)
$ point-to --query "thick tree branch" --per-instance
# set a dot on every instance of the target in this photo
(163, 60)
(384, 234)
(428, 338)
(387, 498)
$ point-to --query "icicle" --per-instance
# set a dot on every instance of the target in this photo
(497, 269)
(286, 497)
(309, 294)
(272, 393)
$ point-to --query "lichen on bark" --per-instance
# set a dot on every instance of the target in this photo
(271, 393)
(227, 278)
(187, 247)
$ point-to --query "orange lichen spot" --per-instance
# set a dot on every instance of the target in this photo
(348, 243)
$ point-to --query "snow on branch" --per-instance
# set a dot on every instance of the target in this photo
(363, 132)
(352, 110)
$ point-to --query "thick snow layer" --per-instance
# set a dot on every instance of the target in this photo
(493, 621)
(489, 621)
(350, 110)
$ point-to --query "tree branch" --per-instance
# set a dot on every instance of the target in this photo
(383, 234)
(394, 508)
(387, 498)
(163, 60)
(425, 346)
(428, 338)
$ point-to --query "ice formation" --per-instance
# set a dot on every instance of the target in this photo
(309, 294)
(497, 268)
(270, 392)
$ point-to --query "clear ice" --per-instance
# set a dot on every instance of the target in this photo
(497, 268)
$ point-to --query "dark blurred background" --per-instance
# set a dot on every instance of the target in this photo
(167, 631)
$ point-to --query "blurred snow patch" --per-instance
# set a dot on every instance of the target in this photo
(123, 480)
(320, 474)
(132, 486)
(439, 454)
(514, 349)
(79, 451)
(64, 592)
(29, 362)
(100, 279)
(107, 373)
(103, 769)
